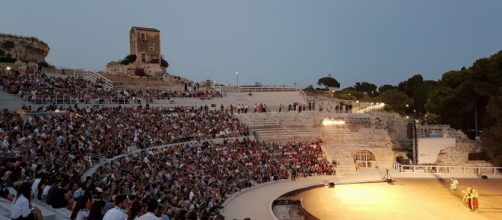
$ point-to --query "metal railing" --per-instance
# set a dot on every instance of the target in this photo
(374, 164)
(305, 96)
(70, 100)
(267, 89)
(54, 99)
(447, 169)
(101, 78)
(436, 169)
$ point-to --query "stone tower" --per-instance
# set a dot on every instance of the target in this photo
(145, 44)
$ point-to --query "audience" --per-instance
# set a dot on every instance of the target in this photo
(46, 152)
(171, 175)
(39, 88)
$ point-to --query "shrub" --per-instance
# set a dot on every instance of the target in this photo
(131, 58)
(7, 60)
(45, 64)
(163, 63)
(8, 44)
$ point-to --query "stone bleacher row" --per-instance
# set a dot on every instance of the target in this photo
(339, 142)
(40, 89)
(278, 125)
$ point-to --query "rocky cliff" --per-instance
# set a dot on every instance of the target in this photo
(25, 49)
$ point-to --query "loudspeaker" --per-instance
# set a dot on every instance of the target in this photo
(331, 185)
(484, 177)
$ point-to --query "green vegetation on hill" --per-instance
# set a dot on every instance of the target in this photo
(131, 58)
(463, 96)
(460, 98)
(328, 82)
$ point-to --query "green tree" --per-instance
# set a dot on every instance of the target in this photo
(461, 96)
(350, 93)
(163, 62)
(385, 88)
(491, 138)
(418, 90)
(490, 142)
(453, 79)
(396, 100)
(328, 82)
(45, 64)
(131, 58)
(366, 87)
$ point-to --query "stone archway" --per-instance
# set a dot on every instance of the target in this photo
(363, 158)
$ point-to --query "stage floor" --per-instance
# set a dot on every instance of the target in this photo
(404, 199)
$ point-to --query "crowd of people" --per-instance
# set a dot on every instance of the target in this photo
(39, 88)
(54, 148)
(45, 153)
(84, 132)
(185, 181)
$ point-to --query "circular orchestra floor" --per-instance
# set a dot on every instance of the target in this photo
(404, 199)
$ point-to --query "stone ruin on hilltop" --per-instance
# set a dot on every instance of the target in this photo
(145, 57)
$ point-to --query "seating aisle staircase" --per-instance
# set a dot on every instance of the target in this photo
(286, 126)
(343, 158)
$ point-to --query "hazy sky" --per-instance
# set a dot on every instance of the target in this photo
(270, 41)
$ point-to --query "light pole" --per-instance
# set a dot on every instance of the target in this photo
(237, 75)
(415, 141)
(414, 133)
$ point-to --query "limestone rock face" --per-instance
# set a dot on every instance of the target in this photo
(25, 49)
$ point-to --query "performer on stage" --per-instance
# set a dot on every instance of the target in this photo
(474, 200)
(466, 199)
(453, 185)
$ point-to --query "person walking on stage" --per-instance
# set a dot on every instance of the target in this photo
(453, 185)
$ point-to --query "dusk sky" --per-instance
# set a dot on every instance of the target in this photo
(275, 42)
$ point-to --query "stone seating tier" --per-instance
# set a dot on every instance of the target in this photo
(339, 141)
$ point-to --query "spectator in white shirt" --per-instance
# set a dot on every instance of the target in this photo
(119, 212)
(151, 210)
(21, 206)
